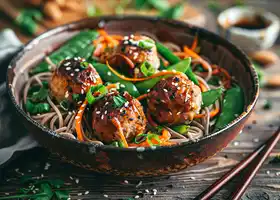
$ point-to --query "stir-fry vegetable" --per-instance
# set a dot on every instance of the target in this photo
(76, 46)
(174, 12)
(173, 59)
(106, 75)
(37, 108)
(181, 66)
(232, 106)
(182, 129)
(101, 90)
(209, 97)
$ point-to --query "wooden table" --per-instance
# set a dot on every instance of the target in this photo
(183, 185)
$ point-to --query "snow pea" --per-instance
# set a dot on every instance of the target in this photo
(106, 75)
(232, 106)
(181, 66)
(79, 45)
(173, 59)
(209, 97)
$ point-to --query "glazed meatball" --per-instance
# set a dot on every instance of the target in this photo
(129, 55)
(174, 100)
(110, 119)
(72, 77)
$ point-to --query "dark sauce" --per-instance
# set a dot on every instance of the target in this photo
(258, 22)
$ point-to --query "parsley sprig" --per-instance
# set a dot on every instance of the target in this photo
(40, 189)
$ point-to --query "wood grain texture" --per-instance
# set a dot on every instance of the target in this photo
(183, 185)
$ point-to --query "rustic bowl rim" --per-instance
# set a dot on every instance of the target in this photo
(71, 26)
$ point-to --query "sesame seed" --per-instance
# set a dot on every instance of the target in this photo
(236, 143)
(82, 91)
(77, 70)
(136, 197)
(77, 180)
(29, 170)
(7, 193)
(66, 94)
(122, 85)
(277, 173)
(178, 88)
(193, 178)
(148, 90)
(72, 74)
(109, 73)
(75, 58)
(102, 116)
(125, 181)
(105, 195)
(42, 175)
(126, 104)
(79, 194)
(105, 112)
(86, 192)
(147, 191)
(106, 103)
(132, 36)
(17, 169)
(98, 112)
(178, 113)
(256, 140)
(125, 37)
(125, 42)
(68, 68)
(134, 57)
(67, 64)
(165, 90)
(84, 105)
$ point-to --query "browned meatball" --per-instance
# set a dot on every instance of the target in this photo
(129, 55)
(174, 100)
(71, 77)
(110, 119)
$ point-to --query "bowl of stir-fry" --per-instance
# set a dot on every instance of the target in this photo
(133, 96)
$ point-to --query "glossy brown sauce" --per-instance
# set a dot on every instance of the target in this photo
(258, 22)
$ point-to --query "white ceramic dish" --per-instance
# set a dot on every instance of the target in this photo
(246, 39)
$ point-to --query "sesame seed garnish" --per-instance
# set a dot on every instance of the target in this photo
(75, 58)
(132, 36)
(178, 113)
(122, 85)
(148, 90)
(165, 90)
(125, 37)
(77, 70)
(137, 197)
(193, 178)
(106, 103)
(126, 104)
(84, 105)
(109, 73)
(105, 195)
(256, 140)
(79, 194)
(68, 68)
(77, 180)
(126, 181)
(125, 42)
(72, 74)
(66, 94)
(86, 192)
(98, 112)
(147, 191)
(267, 172)
(102, 116)
(105, 112)
(67, 64)
(236, 143)
(178, 88)
(7, 193)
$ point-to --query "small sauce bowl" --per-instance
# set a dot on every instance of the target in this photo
(250, 28)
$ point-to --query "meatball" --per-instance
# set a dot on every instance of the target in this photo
(174, 100)
(129, 55)
(72, 77)
(110, 119)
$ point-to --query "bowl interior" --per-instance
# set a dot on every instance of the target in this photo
(213, 47)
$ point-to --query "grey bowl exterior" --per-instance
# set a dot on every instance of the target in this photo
(140, 161)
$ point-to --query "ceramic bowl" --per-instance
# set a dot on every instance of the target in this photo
(249, 40)
(136, 161)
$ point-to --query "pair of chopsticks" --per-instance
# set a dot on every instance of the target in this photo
(255, 159)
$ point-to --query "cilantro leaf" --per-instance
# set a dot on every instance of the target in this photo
(118, 101)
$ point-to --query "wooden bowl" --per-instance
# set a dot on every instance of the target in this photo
(140, 161)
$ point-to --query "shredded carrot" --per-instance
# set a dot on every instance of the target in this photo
(180, 54)
(143, 96)
(202, 87)
(117, 124)
(111, 86)
(117, 37)
(193, 54)
(161, 73)
(78, 122)
(194, 44)
(213, 113)
(107, 37)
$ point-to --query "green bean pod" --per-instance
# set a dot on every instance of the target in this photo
(173, 59)
(76, 46)
(106, 75)
(209, 97)
(232, 106)
(181, 66)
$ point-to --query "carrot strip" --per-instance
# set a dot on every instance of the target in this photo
(78, 122)
(107, 37)
(111, 86)
(193, 54)
(143, 96)
(202, 87)
(213, 113)
(180, 54)
(161, 73)
(194, 44)
(117, 124)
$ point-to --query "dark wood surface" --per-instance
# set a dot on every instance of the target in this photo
(184, 185)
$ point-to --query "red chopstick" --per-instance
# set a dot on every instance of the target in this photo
(259, 155)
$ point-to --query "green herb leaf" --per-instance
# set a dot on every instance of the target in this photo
(99, 88)
(118, 101)
(46, 189)
(147, 69)
(146, 44)
(62, 195)
(37, 108)
(160, 5)
(174, 12)
(40, 96)
(182, 129)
